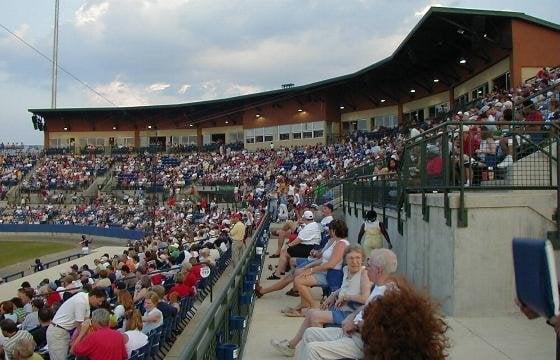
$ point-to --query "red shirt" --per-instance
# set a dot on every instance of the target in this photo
(534, 116)
(434, 166)
(182, 290)
(102, 344)
(53, 298)
(470, 144)
(157, 279)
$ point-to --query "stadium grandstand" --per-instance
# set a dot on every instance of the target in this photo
(212, 207)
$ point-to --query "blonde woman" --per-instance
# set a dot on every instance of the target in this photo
(354, 291)
(134, 338)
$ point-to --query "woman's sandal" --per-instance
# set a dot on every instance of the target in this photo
(258, 292)
(295, 313)
(273, 277)
(293, 293)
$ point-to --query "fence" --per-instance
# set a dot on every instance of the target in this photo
(20, 274)
(226, 321)
(114, 232)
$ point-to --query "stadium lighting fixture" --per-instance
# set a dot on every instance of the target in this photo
(191, 125)
(462, 61)
(149, 126)
(412, 91)
(66, 128)
(300, 110)
(114, 127)
(258, 116)
(436, 80)
(341, 107)
(227, 122)
(460, 31)
(382, 100)
(485, 35)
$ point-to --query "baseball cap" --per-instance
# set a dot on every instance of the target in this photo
(308, 215)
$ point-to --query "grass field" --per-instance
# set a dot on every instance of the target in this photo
(12, 252)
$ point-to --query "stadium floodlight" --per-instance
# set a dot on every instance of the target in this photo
(436, 80)
(462, 61)
(227, 122)
(300, 110)
(412, 91)
(341, 107)
(114, 127)
(66, 128)
(191, 125)
(149, 126)
(258, 116)
(460, 31)
(382, 100)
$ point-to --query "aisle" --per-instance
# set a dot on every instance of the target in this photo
(267, 321)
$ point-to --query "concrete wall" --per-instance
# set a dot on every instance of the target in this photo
(468, 270)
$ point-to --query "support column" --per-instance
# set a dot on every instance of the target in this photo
(199, 137)
(136, 138)
(400, 113)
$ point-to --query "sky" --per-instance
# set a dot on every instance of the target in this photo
(146, 52)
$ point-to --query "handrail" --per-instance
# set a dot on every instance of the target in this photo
(18, 274)
(190, 351)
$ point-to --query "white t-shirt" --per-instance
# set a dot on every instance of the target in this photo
(74, 309)
(377, 291)
(326, 221)
(136, 339)
(310, 234)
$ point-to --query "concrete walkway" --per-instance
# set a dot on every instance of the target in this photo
(512, 337)
(9, 289)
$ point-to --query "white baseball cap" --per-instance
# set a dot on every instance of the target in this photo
(308, 215)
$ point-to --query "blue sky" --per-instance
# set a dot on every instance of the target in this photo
(140, 52)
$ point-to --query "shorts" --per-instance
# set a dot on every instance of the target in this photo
(320, 278)
(301, 262)
(339, 315)
(300, 250)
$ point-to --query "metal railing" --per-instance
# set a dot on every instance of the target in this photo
(20, 274)
(219, 324)
(517, 155)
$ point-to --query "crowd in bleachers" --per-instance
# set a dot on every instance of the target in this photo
(66, 172)
(13, 167)
(146, 293)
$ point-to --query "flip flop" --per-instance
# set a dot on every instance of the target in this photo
(273, 277)
(293, 293)
(295, 313)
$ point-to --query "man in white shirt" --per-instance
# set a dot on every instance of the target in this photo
(346, 342)
(308, 237)
(69, 317)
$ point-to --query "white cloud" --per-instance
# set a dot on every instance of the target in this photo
(158, 87)
(184, 88)
(22, 31)
(217, 89)
(89, 13)
(120, 93)
(423, 11)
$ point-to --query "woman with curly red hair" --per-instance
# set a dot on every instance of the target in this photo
(404, 324)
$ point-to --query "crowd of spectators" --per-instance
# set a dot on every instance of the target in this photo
(66, 172)
(13, 167)
(129, 297)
